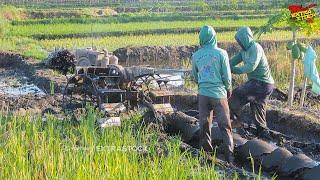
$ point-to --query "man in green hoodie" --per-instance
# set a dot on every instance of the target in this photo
(260, 83)
(211, 71)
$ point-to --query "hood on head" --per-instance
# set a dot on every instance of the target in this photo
(245, 37)
(207, 36)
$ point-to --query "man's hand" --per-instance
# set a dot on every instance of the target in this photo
(229, 94)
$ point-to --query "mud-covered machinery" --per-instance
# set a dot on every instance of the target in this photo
(113, 88)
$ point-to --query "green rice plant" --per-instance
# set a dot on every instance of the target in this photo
(59, 149)
(7, 44)
(260, 173)
(274, 176)
(24, 46)
(146, 17)
(4, 26)
(186, 63)
(112, 43)
(252, 163)
(51, 87)
(75, 28)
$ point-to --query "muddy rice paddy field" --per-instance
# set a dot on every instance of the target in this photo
(39, 140)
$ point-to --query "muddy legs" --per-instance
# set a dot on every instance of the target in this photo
(205, 120)
(221, 109)
(222, 112)
(259, 114)
(256, 93)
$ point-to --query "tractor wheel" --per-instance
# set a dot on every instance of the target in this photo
(80, 92)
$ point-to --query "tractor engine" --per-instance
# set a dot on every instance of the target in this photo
(87, 57)
(91, 57)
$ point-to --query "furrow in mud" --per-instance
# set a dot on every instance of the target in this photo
(271, 157)
(303, 125)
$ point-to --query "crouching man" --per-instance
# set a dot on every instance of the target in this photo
(260, 83)
(211, 71)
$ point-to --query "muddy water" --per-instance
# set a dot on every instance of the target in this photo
(172, 80)
(25, 84)
(23, 89)
(175, 79)
(18, 86)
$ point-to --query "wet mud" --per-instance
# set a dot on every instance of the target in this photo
(27, 85)
(272, 157)
(174, 55)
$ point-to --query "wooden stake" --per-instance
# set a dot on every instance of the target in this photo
(293, 73)
(303, 93)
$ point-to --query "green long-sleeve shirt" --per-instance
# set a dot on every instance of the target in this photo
(210, 66)
(255, 63)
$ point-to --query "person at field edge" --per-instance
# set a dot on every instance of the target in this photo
(260, 83)
(211, 71)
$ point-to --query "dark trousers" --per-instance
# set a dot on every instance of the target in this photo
(256, 93)
(221, 110)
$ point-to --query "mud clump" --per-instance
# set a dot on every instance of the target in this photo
(255, 148)
(39, 103)
(154, 55)
(163, 55)
(302, 124)
(310, 99)
(278, 94)
(313, 173)
(175, 55)
(55, 14)
(62, 60)
(292, 165)
(267, 155)
(273, 160)
(8, 59)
